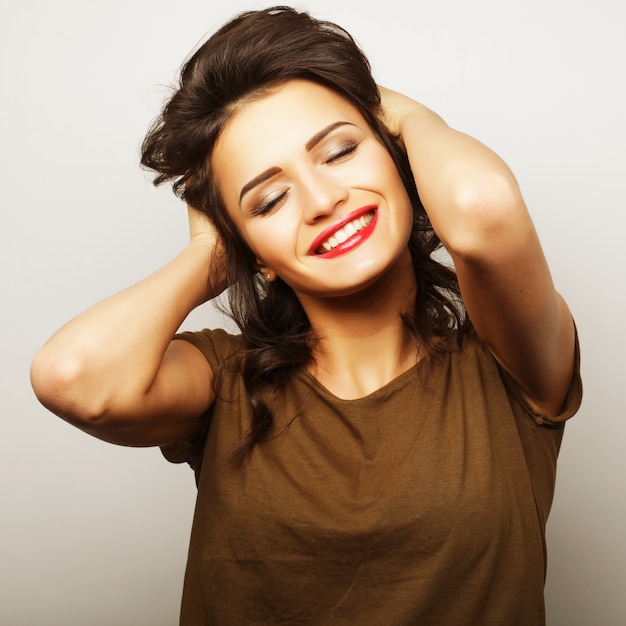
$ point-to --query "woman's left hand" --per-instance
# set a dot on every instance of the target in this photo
(398, 108)
(476, 208)
(394, 108)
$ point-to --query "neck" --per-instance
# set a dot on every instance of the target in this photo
(360, 342)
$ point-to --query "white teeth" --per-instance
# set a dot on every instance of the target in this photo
(350, 229)
(343, 234)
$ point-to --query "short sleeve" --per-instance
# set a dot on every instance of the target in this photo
(218, 347)
(573, 398)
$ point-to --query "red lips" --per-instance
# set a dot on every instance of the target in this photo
(352, 241)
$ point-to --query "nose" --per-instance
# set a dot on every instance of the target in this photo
(322, 194)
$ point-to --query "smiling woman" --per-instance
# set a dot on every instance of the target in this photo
(363, 452)
(324, 172)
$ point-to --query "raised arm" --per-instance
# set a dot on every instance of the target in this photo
(477, 210)
(114, 370)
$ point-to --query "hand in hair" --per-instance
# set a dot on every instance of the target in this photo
(202, 232)
(477, 210)
(397, 108)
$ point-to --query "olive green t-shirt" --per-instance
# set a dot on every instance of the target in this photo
(424, 502)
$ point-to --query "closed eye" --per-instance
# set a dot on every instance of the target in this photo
(342, 151)
(269, 204)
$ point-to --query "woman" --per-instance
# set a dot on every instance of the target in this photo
(364, 454)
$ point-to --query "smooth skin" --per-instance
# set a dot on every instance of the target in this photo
(320, 174)
(114, 371)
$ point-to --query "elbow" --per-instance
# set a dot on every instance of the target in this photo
(487, 216)
(60, 385)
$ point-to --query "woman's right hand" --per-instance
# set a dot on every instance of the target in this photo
(202, 232)
(114, 370)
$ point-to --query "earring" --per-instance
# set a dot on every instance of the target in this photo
(268, 276)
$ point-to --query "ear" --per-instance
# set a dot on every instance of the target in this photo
(268, 275)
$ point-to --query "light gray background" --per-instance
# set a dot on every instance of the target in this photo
(96, 534)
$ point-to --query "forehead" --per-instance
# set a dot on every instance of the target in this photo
(265, 132)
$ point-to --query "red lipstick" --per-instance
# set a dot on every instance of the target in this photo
(352, 241)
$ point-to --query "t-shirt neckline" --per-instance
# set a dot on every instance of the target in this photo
(394, 385)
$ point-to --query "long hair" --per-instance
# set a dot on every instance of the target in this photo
(253, 53)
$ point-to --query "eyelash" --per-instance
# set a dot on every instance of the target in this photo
(343, 151)
(266, 207)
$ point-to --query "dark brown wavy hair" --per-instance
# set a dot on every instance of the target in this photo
(253, 53)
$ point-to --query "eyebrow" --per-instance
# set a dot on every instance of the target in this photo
(272, 171)
(311, 143)
(257, 180)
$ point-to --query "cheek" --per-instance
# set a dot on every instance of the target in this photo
(401, 195)
(271, 239)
